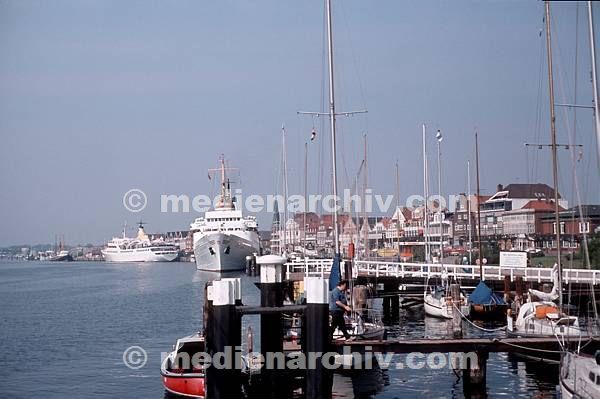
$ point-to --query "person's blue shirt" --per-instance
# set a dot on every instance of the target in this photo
(336, 295)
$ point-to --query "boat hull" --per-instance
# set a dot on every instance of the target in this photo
(437, 308)
(488, 312)
(222, 252)
(62, 258)
(189, 386)
(139, 256)
(574, 379)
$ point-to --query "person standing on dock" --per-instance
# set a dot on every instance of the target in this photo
(337, 306)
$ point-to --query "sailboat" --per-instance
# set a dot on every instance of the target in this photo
(357, 327)
(543, 317)
(484, 304)
(579, 375)
(437, 301)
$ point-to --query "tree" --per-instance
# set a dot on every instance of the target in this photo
(594, 249)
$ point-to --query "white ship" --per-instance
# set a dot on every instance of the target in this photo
(139, 249)
(224, 237)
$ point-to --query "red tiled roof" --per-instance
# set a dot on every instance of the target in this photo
(541, 205)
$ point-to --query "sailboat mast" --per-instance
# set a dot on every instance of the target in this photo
(332, 121)
(398, 207)
(594, 80)
(478, 208)
(469, 209)
(597, 125)
(305, 197)
(426, 193)
(438, 136)
(364, 200)
(285, 189)
(553, 146)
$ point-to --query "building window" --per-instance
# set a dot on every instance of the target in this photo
(562, 227)
(584, 227)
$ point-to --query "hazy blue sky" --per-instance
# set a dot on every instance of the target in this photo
(97, 97)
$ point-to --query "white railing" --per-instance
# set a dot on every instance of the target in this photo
(320, 268)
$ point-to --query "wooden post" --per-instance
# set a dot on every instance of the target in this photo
(518, 293)
(223, 342)
(474, 377)
(506, 288)
(271, 334)
(456, 316)
(318, 384)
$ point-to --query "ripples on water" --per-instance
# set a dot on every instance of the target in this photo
(64, 327)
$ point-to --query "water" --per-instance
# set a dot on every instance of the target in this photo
(64, 327)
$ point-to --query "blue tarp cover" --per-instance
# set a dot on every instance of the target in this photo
(335, 274)
(483, 295)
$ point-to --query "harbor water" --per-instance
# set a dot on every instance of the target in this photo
(65, 327)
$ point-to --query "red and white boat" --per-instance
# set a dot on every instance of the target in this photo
(179, 375)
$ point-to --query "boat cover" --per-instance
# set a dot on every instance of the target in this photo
(483, 295)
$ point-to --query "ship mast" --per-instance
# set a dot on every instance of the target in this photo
(285, 189)
(426, 193)
(554, 147)
(469, 209)
(332, 115)
(478, 208)
(332, 121)
(594, 80)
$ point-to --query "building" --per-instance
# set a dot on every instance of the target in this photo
(512, 198)
(573, 226)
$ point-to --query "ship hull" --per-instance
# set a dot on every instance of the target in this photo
(437, 308)
(222, 252)
(139, 256)
(61, 258)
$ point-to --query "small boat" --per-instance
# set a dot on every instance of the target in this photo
(360, 329)
(437, 302)
(580, 376)
(542, 319)
(485, 304)
(61, 256)
(181, 377)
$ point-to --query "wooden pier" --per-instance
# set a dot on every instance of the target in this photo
(224, 312)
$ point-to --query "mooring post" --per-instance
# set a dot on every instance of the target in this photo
(456, 316)
(317, 337)
(271, 334)
(474, 377)
(506, 288)
(391, 301)
(518, 293)
(249, 265)
(223, 382)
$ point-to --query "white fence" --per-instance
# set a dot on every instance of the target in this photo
(364, 268)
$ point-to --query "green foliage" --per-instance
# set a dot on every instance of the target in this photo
(594, 248)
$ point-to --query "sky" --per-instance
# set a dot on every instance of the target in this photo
(99, 97)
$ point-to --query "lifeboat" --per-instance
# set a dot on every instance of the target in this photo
(179, 375)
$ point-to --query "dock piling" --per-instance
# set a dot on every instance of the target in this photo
(474, 377)
(271, 338)
(456, 316)
(318, 384)
(224, 340)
